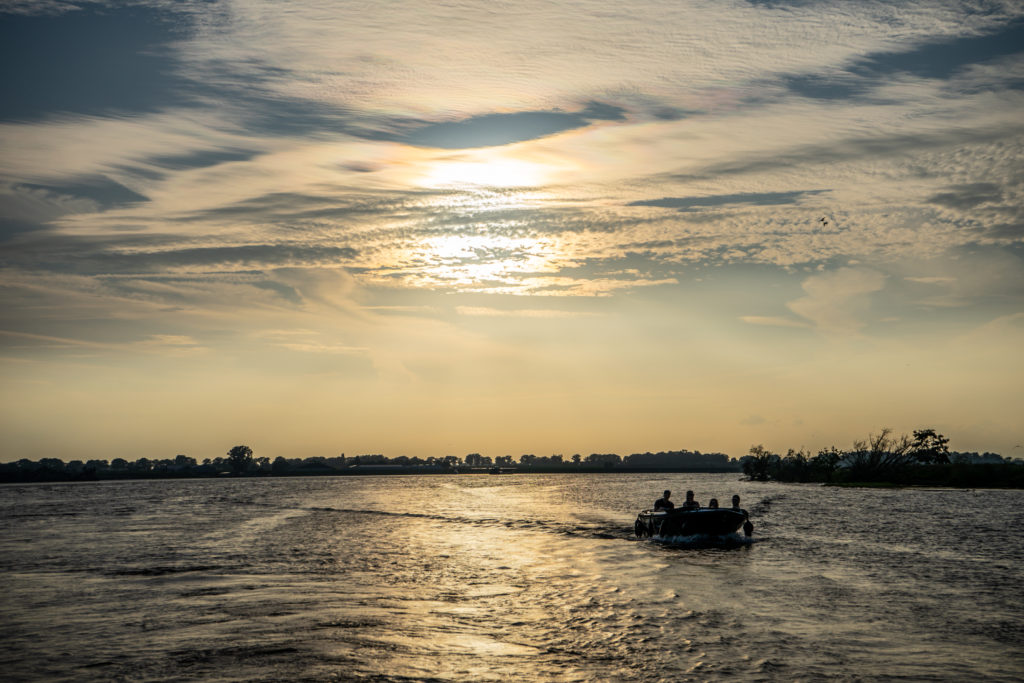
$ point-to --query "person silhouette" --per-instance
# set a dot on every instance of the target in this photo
(690, 503)
(664, 503)
(737, 508)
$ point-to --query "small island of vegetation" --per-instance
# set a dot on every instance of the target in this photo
(883, 459)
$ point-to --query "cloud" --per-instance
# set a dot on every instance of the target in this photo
(943, 58)
(162, 344)
(316, 347)
(99, 189)
(10, 339)
(974, 277)
(194, 191)
(172, 344)
(876, 147)
(84, 152)
(773, 321)
(932, 59)
(837, 302)
(1013, 232)
(106, 256)
(327, 287)
(932, 279)
(967, 196)
(519, 312)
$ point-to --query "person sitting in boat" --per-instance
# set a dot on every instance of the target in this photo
(664, 503)
(690, 503)
(736, 506)
(713, 503)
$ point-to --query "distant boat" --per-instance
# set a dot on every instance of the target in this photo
(701, 522)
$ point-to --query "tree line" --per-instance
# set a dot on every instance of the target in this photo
(884, 458)
(241, 461)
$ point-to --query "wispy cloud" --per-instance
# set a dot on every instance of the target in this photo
(838, 303)
(486, 311)
(773, 321)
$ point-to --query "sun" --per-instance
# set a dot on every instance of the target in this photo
(483, 169)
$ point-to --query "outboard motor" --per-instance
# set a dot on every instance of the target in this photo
(639, 528)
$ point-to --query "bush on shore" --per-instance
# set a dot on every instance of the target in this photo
(923, 459)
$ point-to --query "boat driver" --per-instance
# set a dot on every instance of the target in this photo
(664, 503)
(690, 503)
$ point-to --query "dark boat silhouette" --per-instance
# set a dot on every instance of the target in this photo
(700, 522)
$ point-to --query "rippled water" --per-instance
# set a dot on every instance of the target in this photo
(509, 577)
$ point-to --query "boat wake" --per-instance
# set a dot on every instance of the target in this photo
(734, 540)
(596, 530)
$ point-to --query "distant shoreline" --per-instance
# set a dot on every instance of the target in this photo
(355, 471)
(990, 476)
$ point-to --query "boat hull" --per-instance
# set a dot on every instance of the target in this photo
(704, 522)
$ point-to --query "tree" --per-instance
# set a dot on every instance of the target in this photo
(827, 461)
(794, 467)
(607, 460)
(759, 462)
(240, 458)
(929, 447)
(879, 456)
(183, 461)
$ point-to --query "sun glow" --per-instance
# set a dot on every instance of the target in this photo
(484, 197)
(481, 262)
(484, 169)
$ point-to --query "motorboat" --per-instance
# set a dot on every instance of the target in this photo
(696, 522)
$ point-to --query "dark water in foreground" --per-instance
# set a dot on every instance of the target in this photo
(518, 577)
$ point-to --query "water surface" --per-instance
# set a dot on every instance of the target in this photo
(507, 577)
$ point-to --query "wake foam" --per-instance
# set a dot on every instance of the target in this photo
(733, 540)
(599, 531)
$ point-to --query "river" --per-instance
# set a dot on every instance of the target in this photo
(524, 577)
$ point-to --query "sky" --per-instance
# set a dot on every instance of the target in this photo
(434, 229)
